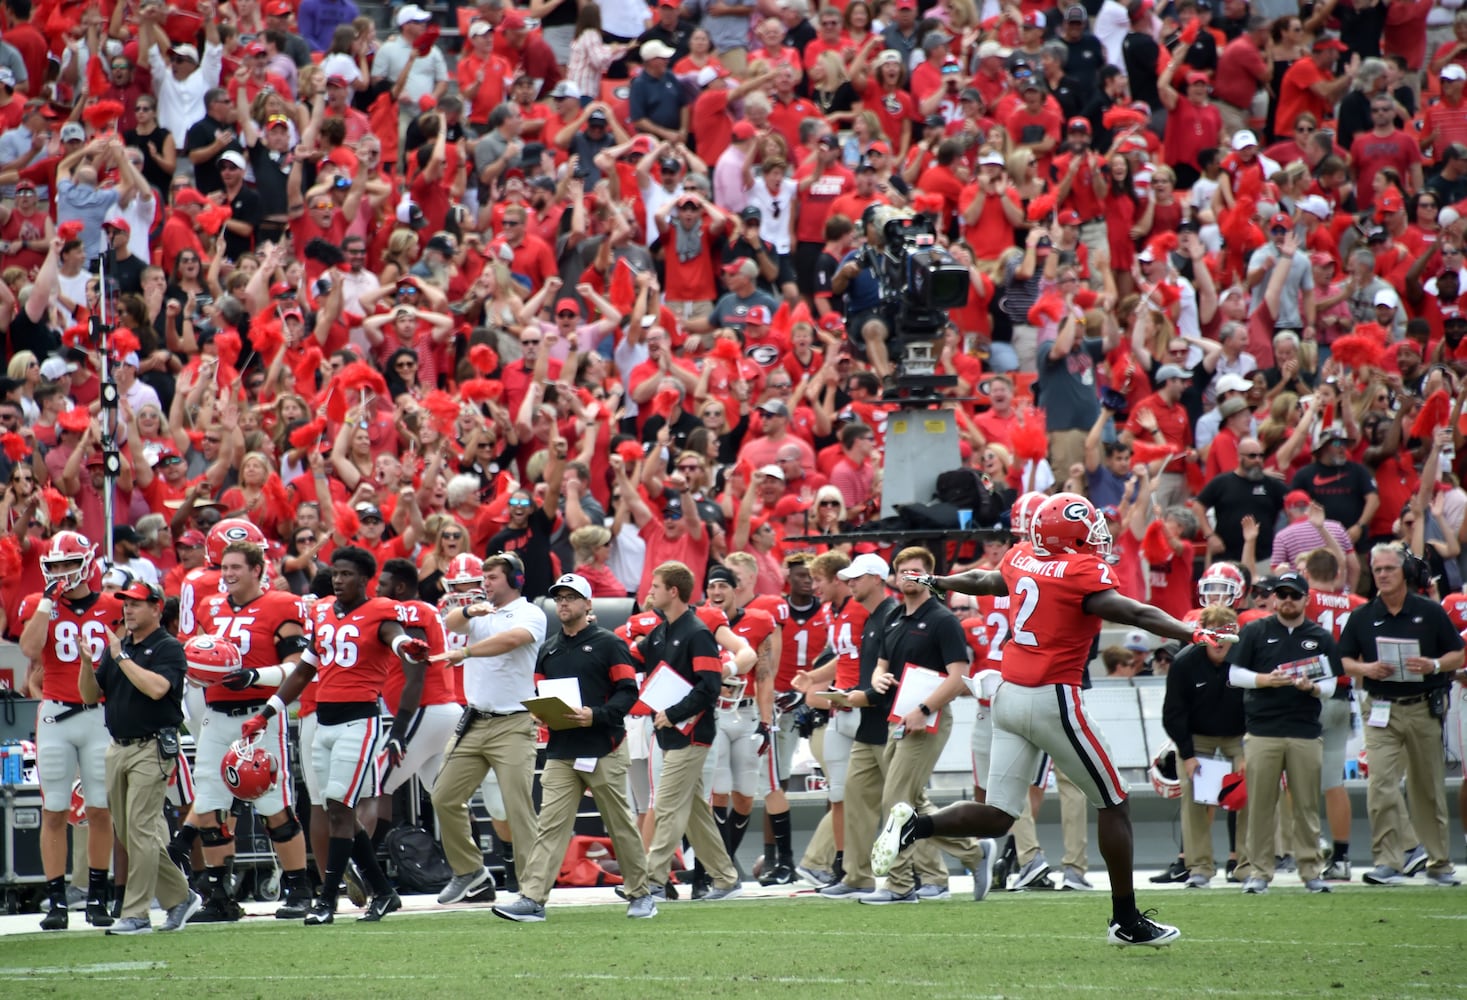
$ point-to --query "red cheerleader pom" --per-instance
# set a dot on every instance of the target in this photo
(11, 565)
(305, 436)
(1154, 544)
(444, 410)
(664, 401)
(1042, 207)
(77, 336)
(1359, 350)
(1434, 414)
(101, 115)
(630, 452)
(125, 342)
(57, 505)
(212, 217)
(479, 390)
(1146, 452)
(14, 446)
(1029, 440)
(277, 501)
(69, 230)
(229, 346)
(347, 523)
(268, 338)
(363, 378)
(483, 358)
(1162, 244)
(1049, 306)
(727, 349)
(623, 292)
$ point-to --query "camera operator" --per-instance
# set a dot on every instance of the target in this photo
(857, 281)
(1286, 665)
(1403, 730)
(141, 678)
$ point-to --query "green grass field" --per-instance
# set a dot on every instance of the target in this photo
(1354, 943)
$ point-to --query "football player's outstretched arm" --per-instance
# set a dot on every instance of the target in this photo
(978, 582)
(1111, 606)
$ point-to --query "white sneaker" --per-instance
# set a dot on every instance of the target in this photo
(933, 892)
(894, 836)
(462, 885)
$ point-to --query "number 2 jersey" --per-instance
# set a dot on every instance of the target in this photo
(352, 664)
(256, 629)
(75, 625)
(1050, 634)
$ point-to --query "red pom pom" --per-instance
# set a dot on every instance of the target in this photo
(14, 446)
(1049, 306)
(1359, 350)
(228, 344)
(347, 522)
(268, 339)
(1146, 452)
(484, 359)
(1029, 439)
(1154, 544)
(69, 230)
(444, 409)
(727, 349)
(630, 452)
(1434, 414)
(77, 336)
(1042, 207)
(277, 501)
(57, 505)
(212, 217)
(664, 401)
(363, 378)
(11, 565)
(102, 114)
(306, 436)
(1162, 243)
(479, 390)
(125, 342)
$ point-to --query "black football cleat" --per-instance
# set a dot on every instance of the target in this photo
(381, 905)
(1143, 932)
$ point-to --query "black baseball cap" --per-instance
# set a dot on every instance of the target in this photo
(1289, 581)
(722, 574)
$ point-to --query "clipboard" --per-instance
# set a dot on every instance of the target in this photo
(1207, 782)
(665, 687)
(555, 713)
(840, 698)
(916, 687)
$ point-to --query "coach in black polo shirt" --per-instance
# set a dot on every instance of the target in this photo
(591, 757)
(1285, 663)
(1403, 718)
(141, 678)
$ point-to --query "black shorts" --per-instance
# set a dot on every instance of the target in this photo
(807, 256)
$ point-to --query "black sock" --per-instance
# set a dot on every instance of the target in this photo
(379, 835)
(738, 825)
(506, 851)
(783, 838)
(365, 856)
(720, 819)
(1342, 850)
(1232, 832)
(218, 880)
(56, 888)
(1123, 909)
(118, 892)
(296, 881)
(97, 884)
(922, 827)
(839, 868)
(338, 853)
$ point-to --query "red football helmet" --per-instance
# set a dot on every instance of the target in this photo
(1067, 522)
(249, 770)
(67, 547)
(77, 814)
(231, 529)
(209, 658)
(1220, 586)
(466, 571)
(1234, 793)
(1022, 513)
(1164, 774)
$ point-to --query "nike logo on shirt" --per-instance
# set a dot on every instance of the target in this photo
(1273, 640)
(1326, 480)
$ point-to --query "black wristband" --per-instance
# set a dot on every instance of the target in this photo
(922, 707)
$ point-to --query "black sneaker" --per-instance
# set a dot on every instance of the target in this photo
(57, 918)
(218, 910)
(294, 906)
(356, 889)
(1232, 870)
(381, 905)
(1144, 931)
(780, 874)
(324, 912)
(1177, 872)
(98, 914)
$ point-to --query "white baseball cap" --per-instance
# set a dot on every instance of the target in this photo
(1242, 139)
(1136, 641)
(1315, 206)
(866, 564)
(1232, 383)
(1452, 71)
(412, 12)
(573, 582)
(1387, 297)
(656, 49)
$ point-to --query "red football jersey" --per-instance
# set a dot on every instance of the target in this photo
(846, 624)
(1456, 608)
(72, 630)
(198, 586)
(995, 612)
(352, 664)
(437, 678)
(254, 628)
(802, 634)
(307, 702)
(454, 640)
(640, 625)
(1252, 615)
(713, 617)
(1331, 610)
(1050, 634)
(975, 630)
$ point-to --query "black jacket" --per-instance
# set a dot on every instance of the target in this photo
(1199, 701)
(600, 661)
(689, 648)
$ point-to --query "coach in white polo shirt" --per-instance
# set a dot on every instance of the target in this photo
(496, 732)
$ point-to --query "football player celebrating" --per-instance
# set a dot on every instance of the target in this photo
(1064, 590)
(72, 616)
(205, 582)
(354, 640)
(266, 629)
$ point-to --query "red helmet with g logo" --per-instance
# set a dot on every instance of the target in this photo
(210, 658)
(227, 531)
(464, 571)
(249, 770)
(1221, 585)
(1022, 513)
(1068, 523)
(67, 547)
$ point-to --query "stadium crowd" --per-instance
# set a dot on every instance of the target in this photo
(587, 284)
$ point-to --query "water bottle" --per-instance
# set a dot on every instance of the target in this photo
(13, 765)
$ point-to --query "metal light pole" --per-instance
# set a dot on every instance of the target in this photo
(101, 335)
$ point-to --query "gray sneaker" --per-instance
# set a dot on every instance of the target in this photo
(1381, 875)
(76, 898)
(461, 885)
(1075, 880)
(523, 910)
(885, 897)
(1338, 871)
(1255, 886)
(731, 892)
(1198, 881)
(1448, 878)
(1317, 885)
(642, 908)
(983, 874)
(1415, 861)
(131, 925)
(843, 891)
(933, 892)
(178, 915)
(1032, 872)
(818, 877)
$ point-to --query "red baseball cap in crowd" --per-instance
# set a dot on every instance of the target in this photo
(833, 321)
(256, 49)
(1078, 124)
(119, 224)
(743, 131)
(513, 21)
(1034, 19)
(790, 505)
(567, 305)
(757, 316)
(190, 539)
(336, 80)
(1329, 42)
(280, 8)
(1390, 201)
(1281, 221)
(189, 196)
(1297, 498)
(1194, 77)
(1069, 217)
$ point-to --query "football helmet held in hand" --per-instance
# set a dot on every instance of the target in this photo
(1165, 772)
(464, 571)
(249, 770)
(211, 658)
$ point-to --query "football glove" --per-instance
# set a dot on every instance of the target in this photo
(762, 734)
(414, 649)
(238, 680)
(928, 581)
(253, 727)
(1216, 637)
(395, 750)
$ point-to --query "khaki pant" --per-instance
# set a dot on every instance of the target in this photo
(1234, 119)
(682, 806)
(137, 782)
(1074, 817)
(1269, 757)
(1066, 448)
(863, 818)
(561, 789)
(1410, 745)
(1196, 827)
(505, 745)
(820, 852)
(909, 764)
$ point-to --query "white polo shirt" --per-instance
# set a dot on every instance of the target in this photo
(502, 683)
